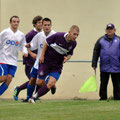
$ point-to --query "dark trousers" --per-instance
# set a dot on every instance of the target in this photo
(104, 78)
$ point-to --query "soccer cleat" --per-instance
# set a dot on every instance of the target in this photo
(25, 100)
(32, 100)
(36, 99)
(53, 90)
(15, 94)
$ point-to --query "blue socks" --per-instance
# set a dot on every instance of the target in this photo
(3, 88)
(30, 90)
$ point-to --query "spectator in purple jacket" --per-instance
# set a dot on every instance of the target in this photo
(108, 49)
(29, 61)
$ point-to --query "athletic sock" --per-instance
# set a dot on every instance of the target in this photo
(37, 88)
(30, 90)
(23, 86)
(3, 88)
(42, 91)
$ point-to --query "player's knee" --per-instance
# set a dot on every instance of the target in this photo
(32, 81)
(51, 84)
(8, 79)
(3, 78)
(40, 82)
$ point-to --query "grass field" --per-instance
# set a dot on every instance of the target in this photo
(60, 110)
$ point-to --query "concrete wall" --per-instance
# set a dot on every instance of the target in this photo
(90, 15)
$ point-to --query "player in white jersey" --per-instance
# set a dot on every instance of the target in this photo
(30, 60)
(37, 43)
(11, 41)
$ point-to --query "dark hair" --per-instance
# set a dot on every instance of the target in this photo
(47, 19)
(36, 19)
(13, 17)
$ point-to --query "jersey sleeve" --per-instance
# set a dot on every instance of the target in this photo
(96, 53)
(34, 43)
(51, 39)
(22, 46)
(2, 37)
(28, 37)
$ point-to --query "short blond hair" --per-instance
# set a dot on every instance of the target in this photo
(74, 27)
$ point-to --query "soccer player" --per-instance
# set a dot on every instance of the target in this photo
(37, 42)
(11, 41)
(57, 49)
(30, 60)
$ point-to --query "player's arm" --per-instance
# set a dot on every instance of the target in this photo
(2, 35)
(96, 54)
(41, 59)
(33, 45)
(32, 54)
(69, 54)
(23, 48)
(0, 40)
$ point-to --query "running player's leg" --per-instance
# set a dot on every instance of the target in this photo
(54, 76)
(27, 72)
(32, 82)
(24, 85)
(39, 84)
(5, 85)
(3, 77)
(42, 73)
(53, 89)
(11, 72)
(3, 72)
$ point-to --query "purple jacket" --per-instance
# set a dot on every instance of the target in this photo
(109, 52)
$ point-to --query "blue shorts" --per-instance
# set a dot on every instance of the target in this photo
(56, 75)
(6, 69)
(34, 72)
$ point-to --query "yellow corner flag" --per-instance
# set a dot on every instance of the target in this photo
(90, 85)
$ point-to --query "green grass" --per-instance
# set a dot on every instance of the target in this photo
(60, 110)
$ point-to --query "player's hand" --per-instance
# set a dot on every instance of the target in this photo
(94, 68)
(33, 55)
(28, 45)
(25, 55)
(65, 59)
(41, 59)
